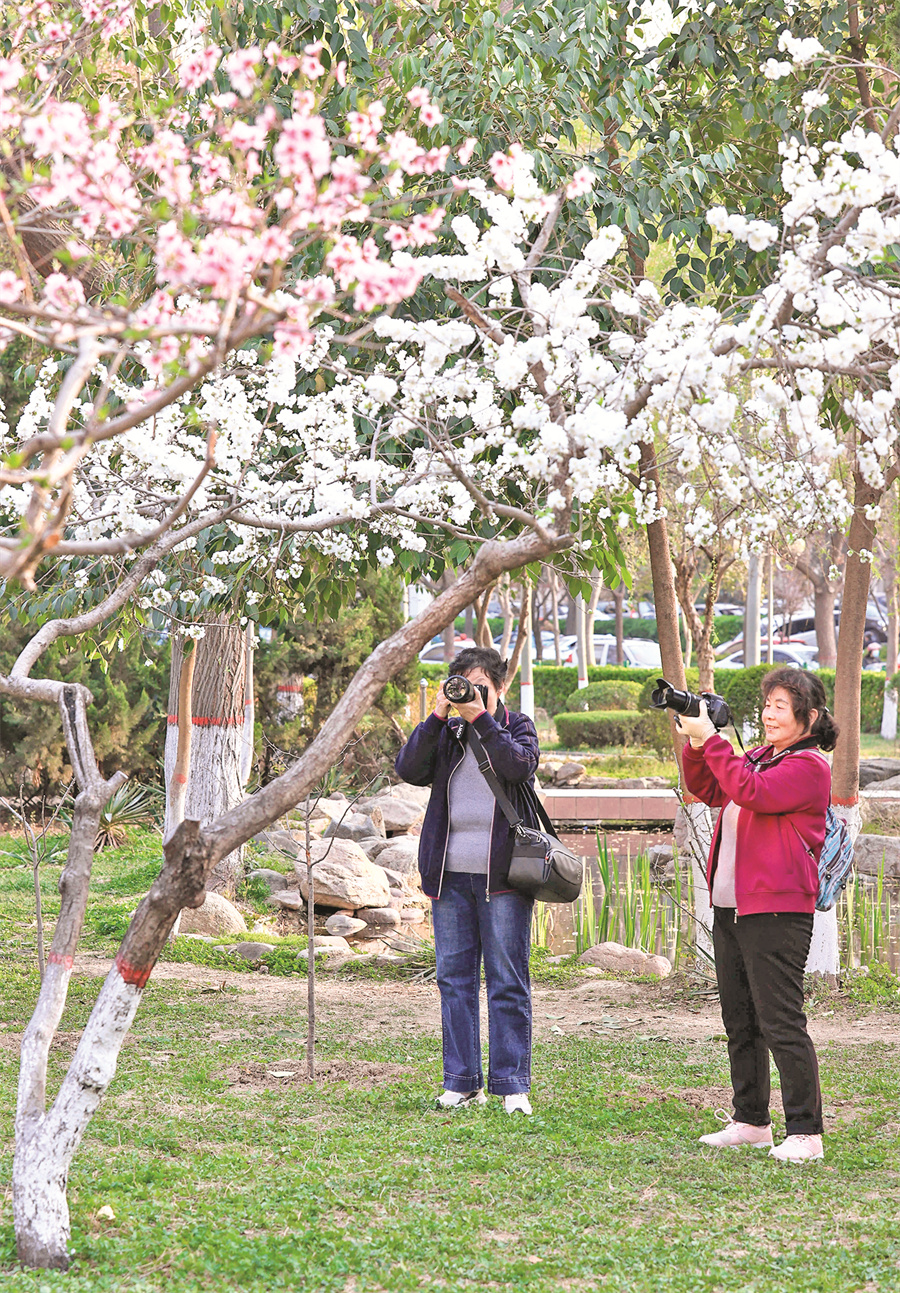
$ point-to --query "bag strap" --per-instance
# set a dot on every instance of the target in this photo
(484, 766)
(514, 818)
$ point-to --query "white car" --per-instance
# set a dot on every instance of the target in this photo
(433, 653)
(784, 653)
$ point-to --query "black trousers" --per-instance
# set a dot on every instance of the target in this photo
(759, 967)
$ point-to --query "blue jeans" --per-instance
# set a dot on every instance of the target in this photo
(466, 928)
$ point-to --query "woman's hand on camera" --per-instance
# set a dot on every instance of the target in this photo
(699, 729)
(472, 709)
(442, 704)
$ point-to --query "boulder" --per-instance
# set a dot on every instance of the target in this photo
(329, 943)
(375, 850)
(274, 879)
(287, 843)
(890, 783)
(343, 925)
(217, 916)
(372, 845)
(396, 880)
(380, 917)
(251, 951)
(344, 877)
(401, 856)
(662, 859)
(880, 810)
(871, 770)
(413, 915)
(869, 850)
(287, 899)
(399, 815)
(569, 774)
(404, 790)
(625, 960)
(357, 826)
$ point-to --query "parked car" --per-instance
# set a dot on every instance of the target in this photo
(639, 652)
(783, 653)
(433, 653)
(566, 646)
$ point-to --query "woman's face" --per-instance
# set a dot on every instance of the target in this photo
(479, 677)
(782, 726)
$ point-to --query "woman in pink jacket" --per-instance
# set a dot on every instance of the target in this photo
(763, 884)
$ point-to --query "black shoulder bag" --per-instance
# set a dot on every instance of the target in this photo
(541, 867)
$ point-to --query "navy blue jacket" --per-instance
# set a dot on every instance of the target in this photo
(429, 757)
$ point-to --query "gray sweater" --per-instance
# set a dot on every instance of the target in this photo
(472, 805)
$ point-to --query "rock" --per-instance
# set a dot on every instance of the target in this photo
(401, 856)
(252, 951)
(274, 879)
(397, 896)
(412, 915)
(198, 938)
(388, 958)
(868, 851)
(217, 916)
(569, 773)
(288, 899)
(395, 880)
(287, 843)
(399, 815)
(344, 876)
(625, 960)
(329, 943)
(883, 814)
(356, 826)
(404, 790)
(375, 850)
(890, 783)
(662, 859)
(877, 770)
(343, 925)
(372, 845)
(380, 917)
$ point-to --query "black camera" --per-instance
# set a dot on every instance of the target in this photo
(665, 696)
(462, 692)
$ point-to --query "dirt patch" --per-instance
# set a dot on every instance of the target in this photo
(359, 1074)
(603, 1008)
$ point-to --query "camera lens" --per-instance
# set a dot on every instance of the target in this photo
(459, 689)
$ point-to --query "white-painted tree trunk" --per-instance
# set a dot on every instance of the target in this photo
(46, 1146)
(215, 783)
(889, 714)
(694, 832)
(247, 735)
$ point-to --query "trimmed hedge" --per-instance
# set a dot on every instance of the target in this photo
(741, 689)
(553, 684)
(609, 694)
(594, 729)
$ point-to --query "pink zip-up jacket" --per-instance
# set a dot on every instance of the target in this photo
(782, 808)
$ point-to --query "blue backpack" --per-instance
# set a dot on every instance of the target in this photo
(835, 860)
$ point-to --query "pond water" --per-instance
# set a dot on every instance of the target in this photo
(625, 902)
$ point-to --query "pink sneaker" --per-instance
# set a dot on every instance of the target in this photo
(798, 1149)
(736, 1134)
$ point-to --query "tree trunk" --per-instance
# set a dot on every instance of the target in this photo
(581, 643)
(248, 734)
(289, 702)
(619, 599)
(554, 602)
(824, 597)
(217, 723)
(889, 708)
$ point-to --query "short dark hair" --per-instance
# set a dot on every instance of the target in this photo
(486, 658)
(807, 692)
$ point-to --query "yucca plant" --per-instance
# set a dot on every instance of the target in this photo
(131, 806)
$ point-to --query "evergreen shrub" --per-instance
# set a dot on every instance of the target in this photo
(610, 694)
(593, 729)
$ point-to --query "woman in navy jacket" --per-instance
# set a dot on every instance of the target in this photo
(763, 878)
(464, 855)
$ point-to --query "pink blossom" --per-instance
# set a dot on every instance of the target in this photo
(422, 228)
(11, 288)
(418, 96)
(199, 68)
(11, 72)
(466, 150)
(274, 245)
(63, 293)
(241, 69)
(503, 170)
(340, 72)
(429, 115)
(436, 160)
(396, 236)
(57, 31)
(302, 144)
(175, 259)
(223, 264)
(347, 177)
(581, 182)
(310, 63)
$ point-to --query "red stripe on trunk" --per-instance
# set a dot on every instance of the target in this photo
(845, 803)
(65, 961)
(135, 974)
(212, 722)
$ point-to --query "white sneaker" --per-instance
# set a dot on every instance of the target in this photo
(459, 1099)
(737, 1134)
(518, 1103)
(798, 1148)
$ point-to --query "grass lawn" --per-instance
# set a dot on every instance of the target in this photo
(350, 1186)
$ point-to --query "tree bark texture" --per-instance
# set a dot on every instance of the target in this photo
(215, 782)
(816, 564)
(848, 672)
